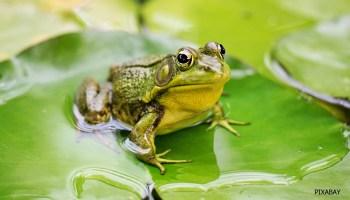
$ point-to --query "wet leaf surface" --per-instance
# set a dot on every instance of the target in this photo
(43, 155)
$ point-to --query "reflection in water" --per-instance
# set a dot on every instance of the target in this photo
(14, 80)
(104, 133)
(347, 136)
(129, 145)
(320, 164)
(235, 178)
(84, 127)
(253, 178)
(112, 178)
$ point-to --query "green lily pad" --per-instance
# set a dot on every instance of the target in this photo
(27, 23)
(247, 28)
(109, 14)
(316, 60)
(285, 141)
(42, 152)
(45, 156)
(332, 178)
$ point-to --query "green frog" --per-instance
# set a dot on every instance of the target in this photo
(159, 95)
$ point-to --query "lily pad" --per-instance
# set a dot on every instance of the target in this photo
(247, 28)
(330, 178)
(108, 14)
(45, 156)
(285, 141)
(27, 23)
(316, 60)
(42, 152)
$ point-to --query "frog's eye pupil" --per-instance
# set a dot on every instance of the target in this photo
(222, 49)
(182, 58)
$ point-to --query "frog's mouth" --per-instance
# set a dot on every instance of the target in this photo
(191, 87)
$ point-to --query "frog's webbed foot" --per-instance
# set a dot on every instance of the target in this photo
(93, 101)
(158, 161)
(219, 119)
(226, 123)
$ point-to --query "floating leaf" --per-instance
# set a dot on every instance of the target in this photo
(26, 23)
(44, 155)
(246, 28)
(316, 60)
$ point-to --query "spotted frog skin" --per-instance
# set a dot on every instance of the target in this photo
(159, 95)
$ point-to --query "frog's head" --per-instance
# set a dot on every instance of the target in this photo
(192, 68)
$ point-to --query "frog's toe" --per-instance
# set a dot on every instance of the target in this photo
(161, 168)
(234, 122)
(158, 164)
(224, 123)
(169, 161)
(163, 160)
(213, 124)
(163, 153)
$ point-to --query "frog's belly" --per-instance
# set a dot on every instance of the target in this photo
(187, 105)
(173, 121)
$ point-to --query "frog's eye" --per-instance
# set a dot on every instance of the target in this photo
(214, 48)
(184, 59)
(221, 50)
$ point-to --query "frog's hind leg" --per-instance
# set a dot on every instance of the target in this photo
(220, 119)
(93, 101)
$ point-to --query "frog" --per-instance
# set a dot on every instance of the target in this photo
(159, 95)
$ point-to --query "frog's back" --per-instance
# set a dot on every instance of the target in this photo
(131, 80)
(130, 83)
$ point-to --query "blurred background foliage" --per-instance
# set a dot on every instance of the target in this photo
(302, 44)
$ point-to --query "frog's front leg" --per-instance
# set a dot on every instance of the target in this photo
(93, 101)
(220, 119)
(143, 135)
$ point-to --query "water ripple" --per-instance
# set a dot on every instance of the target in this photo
(14, 80)
(113, 178)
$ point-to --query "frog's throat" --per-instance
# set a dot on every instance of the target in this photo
(150, 95)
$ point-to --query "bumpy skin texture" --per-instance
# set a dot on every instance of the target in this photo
(160, 95)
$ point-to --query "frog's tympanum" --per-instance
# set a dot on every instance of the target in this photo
(160, 95)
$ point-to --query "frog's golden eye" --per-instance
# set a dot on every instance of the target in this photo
(184, 59)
